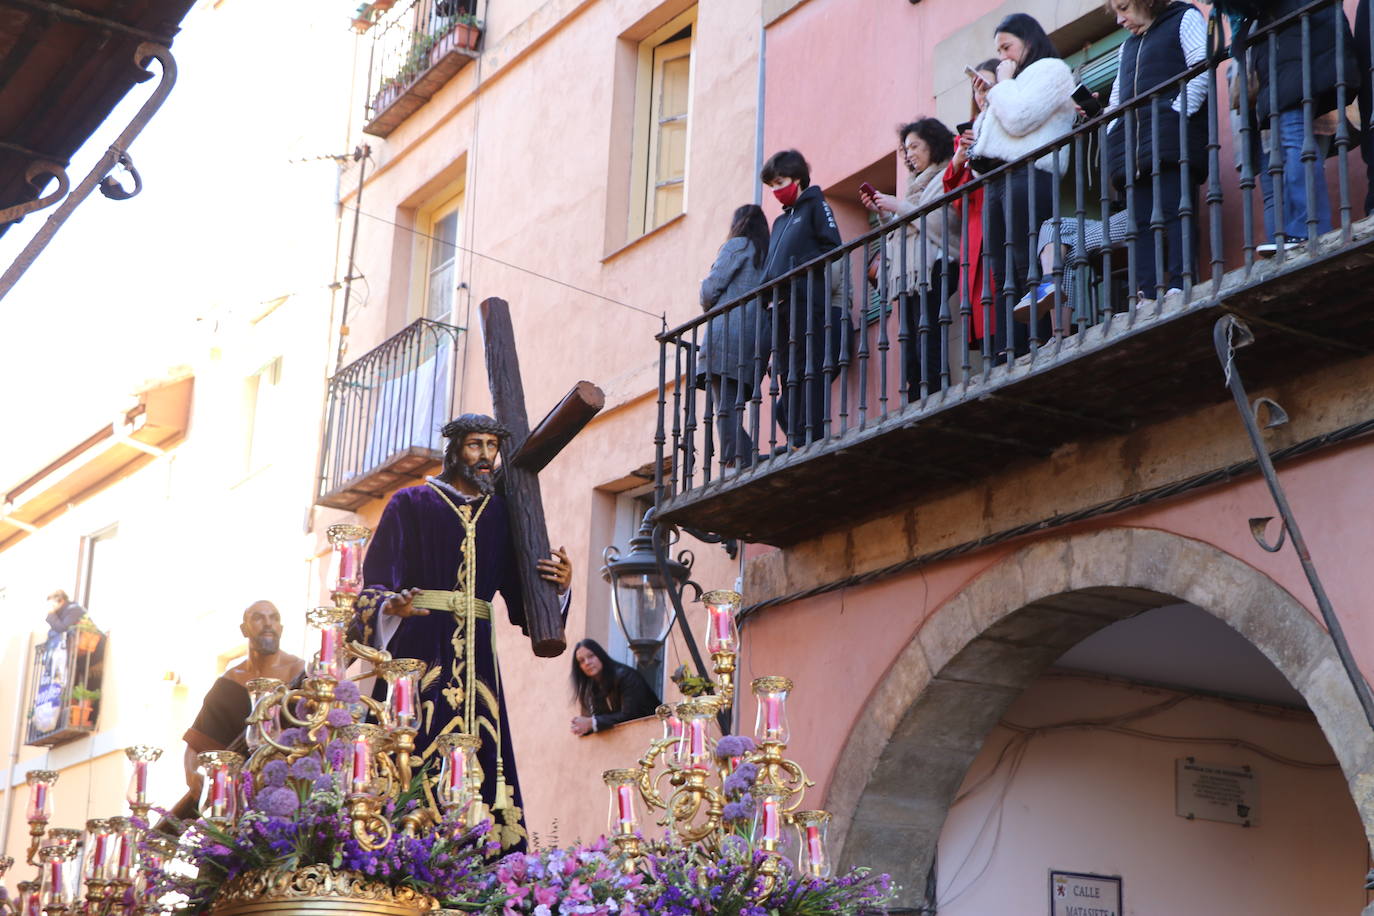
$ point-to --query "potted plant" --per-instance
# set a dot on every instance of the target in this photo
(81, 708)
(87, 635)
(362, 19)
(467, 31)
(381, 6)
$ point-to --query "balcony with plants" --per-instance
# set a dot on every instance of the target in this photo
(417, 47)
(65, 685)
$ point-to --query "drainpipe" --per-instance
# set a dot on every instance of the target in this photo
(758, 110)
(15, 739)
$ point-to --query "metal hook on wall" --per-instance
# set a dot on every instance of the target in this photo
(38, 174)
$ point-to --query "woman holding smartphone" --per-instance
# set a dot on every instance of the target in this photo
(1030, 105)
(925, 147)
(959, 173)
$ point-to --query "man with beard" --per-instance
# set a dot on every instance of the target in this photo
(441, 552)
(226, 706)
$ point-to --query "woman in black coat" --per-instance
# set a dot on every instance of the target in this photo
(607, 692)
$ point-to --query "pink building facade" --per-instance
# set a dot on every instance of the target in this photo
(998, 677)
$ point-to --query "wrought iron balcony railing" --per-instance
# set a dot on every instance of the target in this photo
(848, 396)
(384, 415)
(417, 47)
(65, 686)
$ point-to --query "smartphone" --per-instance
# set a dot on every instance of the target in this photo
(866, 188)
(974, 74)
(960, 128)
(1087, 101)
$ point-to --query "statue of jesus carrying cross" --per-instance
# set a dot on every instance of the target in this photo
(444, 548)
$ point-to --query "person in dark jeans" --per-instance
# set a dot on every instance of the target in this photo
(1167, 37)
(727, 361)
(805, 230)
(1031, 105)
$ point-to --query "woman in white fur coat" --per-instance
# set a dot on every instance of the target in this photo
(1031, 105)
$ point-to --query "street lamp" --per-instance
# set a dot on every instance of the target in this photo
(646, 593)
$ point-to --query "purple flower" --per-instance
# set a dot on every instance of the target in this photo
(339, 718)
(734, 745)
(291, 736)
(307, 768)
(274, 773)
(323, 783)
(733, 811)
(279, 802)
(336, 753)
(346, 692)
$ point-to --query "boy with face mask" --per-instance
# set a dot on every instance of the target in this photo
(805, 230)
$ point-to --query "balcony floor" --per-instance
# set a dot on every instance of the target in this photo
(1107, 380)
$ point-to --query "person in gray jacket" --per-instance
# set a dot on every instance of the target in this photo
(730, 362)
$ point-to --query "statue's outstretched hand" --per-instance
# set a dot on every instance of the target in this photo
(557, 569)
(399, 604)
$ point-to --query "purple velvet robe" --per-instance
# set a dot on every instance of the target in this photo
(417, 544)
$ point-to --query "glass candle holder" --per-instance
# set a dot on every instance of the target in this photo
(158, 850)
(269, 717)
(28, 902)
(67, 839)
(98, 852)
(694, 747)
(457, 761)
(623, 816)
(55, 890)
(812, 852)
(362, 742)
(722, 633)
(123, 849)
(219, 795)
(672, 731)
(40, 795)
(141, 756)
(770, 723)
(332, 658)
(402, 677)
(349, 542)
(767, 827)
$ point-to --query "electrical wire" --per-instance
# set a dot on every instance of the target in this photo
(1013, 753)
(516, 267)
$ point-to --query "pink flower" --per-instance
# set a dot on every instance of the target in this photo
(545, 895)
(569, 865)
(578, 892)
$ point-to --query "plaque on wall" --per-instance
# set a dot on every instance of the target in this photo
(1078, 894)
(1228, 793)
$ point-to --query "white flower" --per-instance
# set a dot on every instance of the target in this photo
(542, 910)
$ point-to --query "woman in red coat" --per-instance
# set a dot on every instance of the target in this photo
(958, 174)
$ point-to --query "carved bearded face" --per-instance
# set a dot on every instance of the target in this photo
(475, 460)
(262, 626)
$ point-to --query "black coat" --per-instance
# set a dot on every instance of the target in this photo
(1288, 71)
(805, 230)
(1147, 61)
(631, 698)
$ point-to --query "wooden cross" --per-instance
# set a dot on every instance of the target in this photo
(529, 452)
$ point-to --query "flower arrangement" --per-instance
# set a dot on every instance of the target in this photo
(299, 817)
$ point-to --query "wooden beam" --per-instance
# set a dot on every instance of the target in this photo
(558, 428)
(543, 614)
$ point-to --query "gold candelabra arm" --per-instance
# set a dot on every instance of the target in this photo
(367, 653)
(777, 769)
(370, 829)
(648, 780)
(686, 806)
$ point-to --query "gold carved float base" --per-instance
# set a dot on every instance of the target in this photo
(314, 891)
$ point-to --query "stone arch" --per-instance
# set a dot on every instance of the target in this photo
(929, 714)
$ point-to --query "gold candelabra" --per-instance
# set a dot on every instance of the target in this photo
(698, 811)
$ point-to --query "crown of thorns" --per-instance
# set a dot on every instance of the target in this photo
(474, 423)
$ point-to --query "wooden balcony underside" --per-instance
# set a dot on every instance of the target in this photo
(1113, 378)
